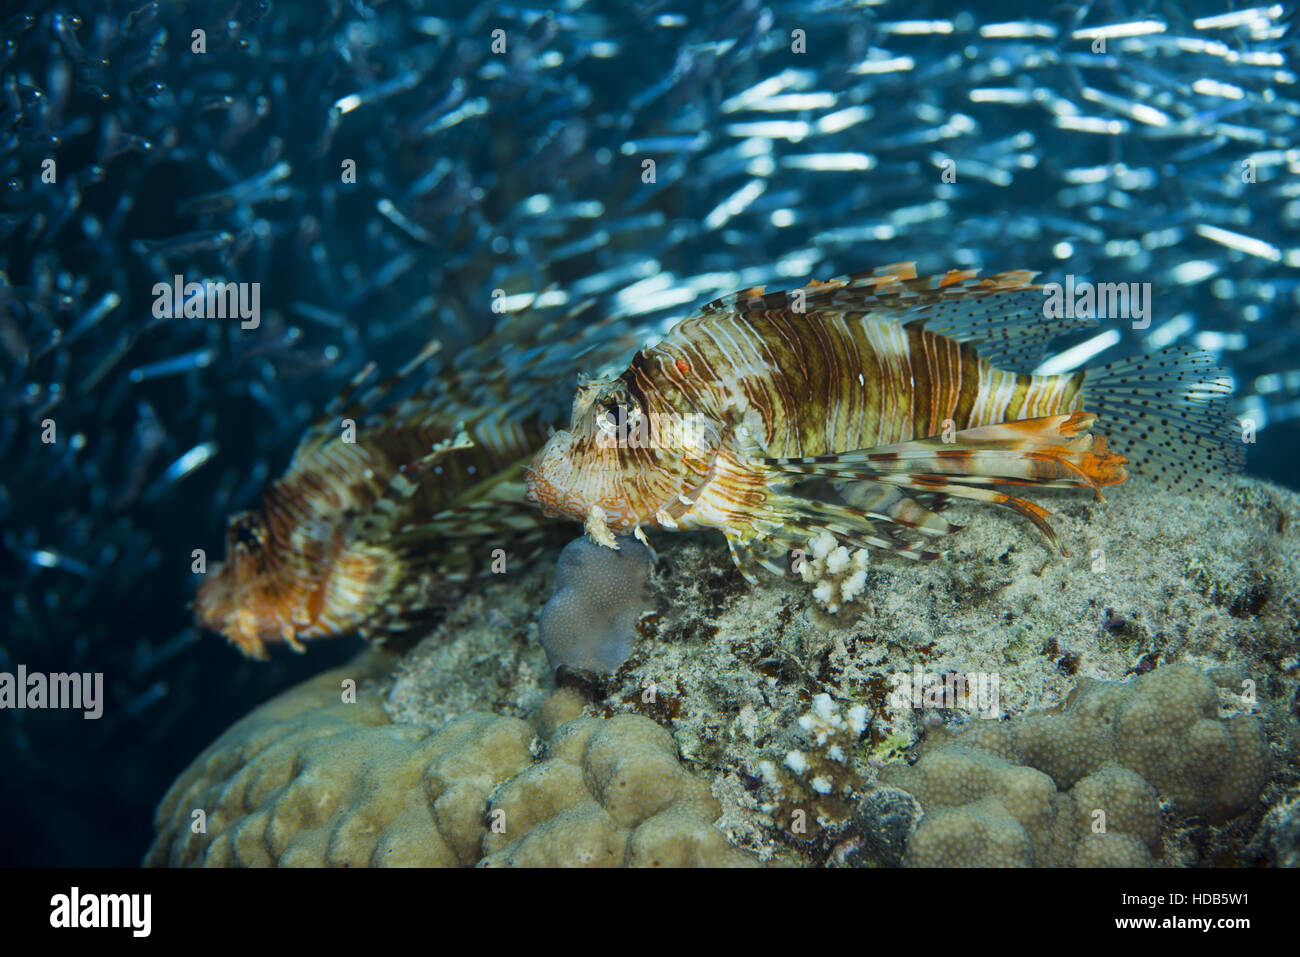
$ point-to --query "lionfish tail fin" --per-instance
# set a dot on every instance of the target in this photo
(1167, 413)
(1055, 450)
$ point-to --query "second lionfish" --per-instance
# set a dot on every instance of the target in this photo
(388, 508)
(914, 391)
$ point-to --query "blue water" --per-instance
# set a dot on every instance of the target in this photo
(993, 135)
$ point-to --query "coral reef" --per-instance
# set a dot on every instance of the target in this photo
(599, 594)
(1278, 840)
(314, 779)
(1151, 683)
(310, 779)
(1084, 786)
(838, 575)
(611, 792)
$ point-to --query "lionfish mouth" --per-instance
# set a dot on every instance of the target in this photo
(563, 489)
(551, 482)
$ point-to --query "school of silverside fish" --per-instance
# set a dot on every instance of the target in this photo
(500, 207)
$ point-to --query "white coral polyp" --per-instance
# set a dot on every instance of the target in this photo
(837, 574)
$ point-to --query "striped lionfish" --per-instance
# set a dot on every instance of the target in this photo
(914, 390)
(385, 512)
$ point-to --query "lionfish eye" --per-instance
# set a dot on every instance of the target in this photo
(246, 535)
(614, 415)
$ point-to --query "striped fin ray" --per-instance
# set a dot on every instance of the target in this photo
(481, 521)
(849, 525)
(380, 390)
(892, 507)
(749, 554)
(341, 401)
(767, 532)
(1001, 314)
(908, 511)
(347, 404)
(792, 522)
(448, 550)
(404, 483)
(1048, 451)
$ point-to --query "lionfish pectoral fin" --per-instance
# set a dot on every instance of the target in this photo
(346, 405)
(751, 553)
(372, 398)
(773, 533)
(1048, 451)
(598, 529)
(769, 525)
(879, 529)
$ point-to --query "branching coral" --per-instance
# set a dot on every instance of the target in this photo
(840, 575)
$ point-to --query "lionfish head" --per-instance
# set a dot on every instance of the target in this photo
(618, 464)
(233, 598)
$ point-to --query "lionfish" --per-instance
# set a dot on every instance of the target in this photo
(388, 509)
(909, 392)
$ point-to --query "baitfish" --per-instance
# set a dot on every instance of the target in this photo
(759, 415)
(380, 515)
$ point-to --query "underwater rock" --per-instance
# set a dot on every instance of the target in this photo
(311, 779)
(1115, 752)
(599, 594)
(794, 722)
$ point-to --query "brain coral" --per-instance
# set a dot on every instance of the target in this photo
(611, 793)
(599, 594)
(1083, 786)
(309, 780)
